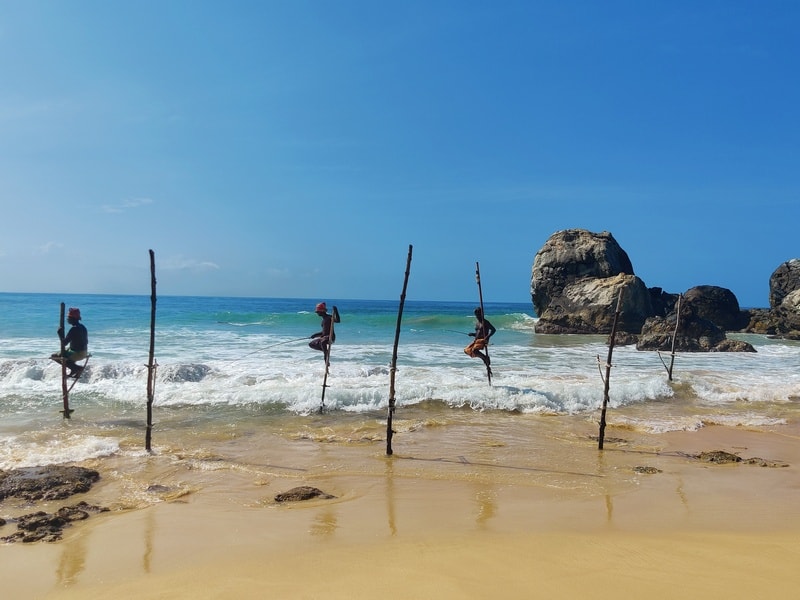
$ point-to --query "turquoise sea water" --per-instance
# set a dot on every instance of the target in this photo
(225, 360)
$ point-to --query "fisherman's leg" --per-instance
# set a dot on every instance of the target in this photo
(486, 361)
(72, 367)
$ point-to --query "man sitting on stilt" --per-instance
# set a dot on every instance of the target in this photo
(77, 339)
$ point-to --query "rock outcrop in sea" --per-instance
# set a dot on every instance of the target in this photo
(782, 318)
(694, 334)
(577, 277)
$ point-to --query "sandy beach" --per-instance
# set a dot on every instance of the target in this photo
(474, 515)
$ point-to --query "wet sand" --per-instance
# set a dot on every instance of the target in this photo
(479, 514)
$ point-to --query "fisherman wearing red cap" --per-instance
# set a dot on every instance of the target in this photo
(78, 340)
(321, 339)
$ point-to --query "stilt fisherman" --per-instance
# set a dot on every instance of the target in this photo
(483, 331)
(323, 339)
(75, 343)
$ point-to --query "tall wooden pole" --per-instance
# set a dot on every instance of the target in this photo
(608, 372)
(334, 312)
(151, 365)
(483, 316)
(64, 388)
(674, 337)
(393, 369)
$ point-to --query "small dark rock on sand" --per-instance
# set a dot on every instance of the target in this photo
(647, 470)
(721, 457)
(48, 527)
(763, 462)
(302, 492)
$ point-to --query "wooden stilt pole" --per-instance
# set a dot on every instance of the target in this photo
(675, 337)
(483, 313)
(393, 369)
(151, 364)
(334, 317)
(325, 381)
(64, 388)
(608, 372)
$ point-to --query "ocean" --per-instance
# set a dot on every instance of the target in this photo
(236, 374)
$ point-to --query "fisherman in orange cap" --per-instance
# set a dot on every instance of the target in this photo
(77, 339)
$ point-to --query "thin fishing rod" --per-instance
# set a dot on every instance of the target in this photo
(271, 346)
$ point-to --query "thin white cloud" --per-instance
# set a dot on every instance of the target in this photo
(125, 205)
(179, 263)
(49, 247)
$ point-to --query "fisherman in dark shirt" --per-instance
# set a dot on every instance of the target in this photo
(483, 331)
(77, 339)
(322, 339)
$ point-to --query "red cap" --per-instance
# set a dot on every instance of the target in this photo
(74, 313)
(321, 307)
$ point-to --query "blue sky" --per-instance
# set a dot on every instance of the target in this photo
(296, 148)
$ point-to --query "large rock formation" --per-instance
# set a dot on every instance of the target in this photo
(694, 334)
(784, 299)
(578, 276)
(717, 304)
(782, 319)
(576, 280)
(784, 280)
(787, 316)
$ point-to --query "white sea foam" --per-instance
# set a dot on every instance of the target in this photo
(17, 451)
(212, 354)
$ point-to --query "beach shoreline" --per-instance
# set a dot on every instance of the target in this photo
(443, 519)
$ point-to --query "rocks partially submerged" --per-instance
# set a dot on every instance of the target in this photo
(301, 493)
(48, 527)
(695, 334)
(717, 457)
(783, 317)
(53, 482)
(722, 457)
(578, 275)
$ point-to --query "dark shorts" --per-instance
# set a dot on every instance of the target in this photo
(319, 343)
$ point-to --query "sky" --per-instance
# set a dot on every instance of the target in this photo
(296, 148)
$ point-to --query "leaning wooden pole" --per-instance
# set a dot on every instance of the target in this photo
(64, 387)
(607, 378)
(483, 316)
(674, 338)
(393, 369)
(151, 364)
